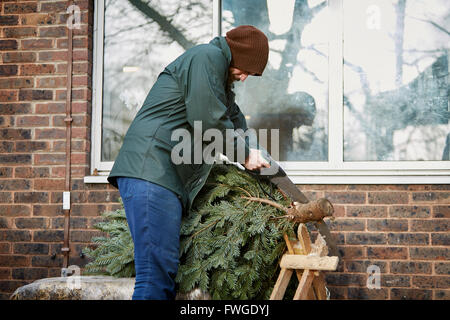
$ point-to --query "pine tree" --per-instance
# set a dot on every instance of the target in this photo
(230, 245)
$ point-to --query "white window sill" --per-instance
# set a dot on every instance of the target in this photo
(343, 178)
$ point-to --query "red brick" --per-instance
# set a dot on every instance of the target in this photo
(15, 108)
(49, 184)
(38, 19)
(352, 252)
(20, 8)
(346, 197)
(53, 32)
(409, 211)
(431, 282)
(5, 273)
(76, 197)
(15, 184)
(5, 197)
(15, 159)
(30, 248)
(75, 223)
(367, 294)
(77, 121)
(440, 239)
(431, 197)
(408, 238)
(5, 147)
(31, 197)
(77, 94)
(442, 294)
(79, 158)
(8, 45)
(337, 293)
(58, 6)
(366, 211)
(441, 211)
(432, 253)
(48, 235)
(46, 261)
(15, 210)
(81, 107)
(9, 20)
(5, 223)
(360, 266)
(388, 197)
(47, 210)
(87, 209)
(32, 121)
(10, 285)
(410, 294)
(8, 70)
(410, 267)
(77, 43)
(13, 260)
(442, 268)
(19, 32)
(16, 83)
(51, 159)
(29, 273)
(14, 57)
(80, 81)
(35, 95)
(84, 235)
(15, 134)
(37, 69)
(345, 279)
(53, 133)
(8, 95)
(81, 133)
(15, 235)
(36, 44)
(31, 223)
(31, 172)
(387, 253)
(32, 146)
(51, 82)
(101, 196)
(362, 238)
(53, 56)
(75, 171)
(395, 280)
(342, 224)
(438, 225)
(50, 108)
(387, 225)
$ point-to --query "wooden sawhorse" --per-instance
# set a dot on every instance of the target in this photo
(308, 260)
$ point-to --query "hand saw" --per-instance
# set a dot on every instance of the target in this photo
(278, 177)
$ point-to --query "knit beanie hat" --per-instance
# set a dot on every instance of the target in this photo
(249, 49)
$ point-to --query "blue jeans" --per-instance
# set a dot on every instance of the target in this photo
(154, 217)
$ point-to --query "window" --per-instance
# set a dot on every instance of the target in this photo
(359, 89)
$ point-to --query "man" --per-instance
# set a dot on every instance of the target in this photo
(155, 191)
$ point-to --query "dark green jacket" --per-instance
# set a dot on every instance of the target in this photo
(191, 88)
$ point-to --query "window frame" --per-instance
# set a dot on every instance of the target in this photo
(333, 171)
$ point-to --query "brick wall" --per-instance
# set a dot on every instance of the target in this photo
(402, 229)
(33, 51)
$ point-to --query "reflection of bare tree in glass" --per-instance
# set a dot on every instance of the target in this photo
(166, 22)
(410, 108)
(269, 104)
(146, 36)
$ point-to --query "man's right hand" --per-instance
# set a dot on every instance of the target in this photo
(255, 160)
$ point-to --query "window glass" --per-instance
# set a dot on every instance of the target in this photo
(140, 39)
(292, 94)
(396, 97)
